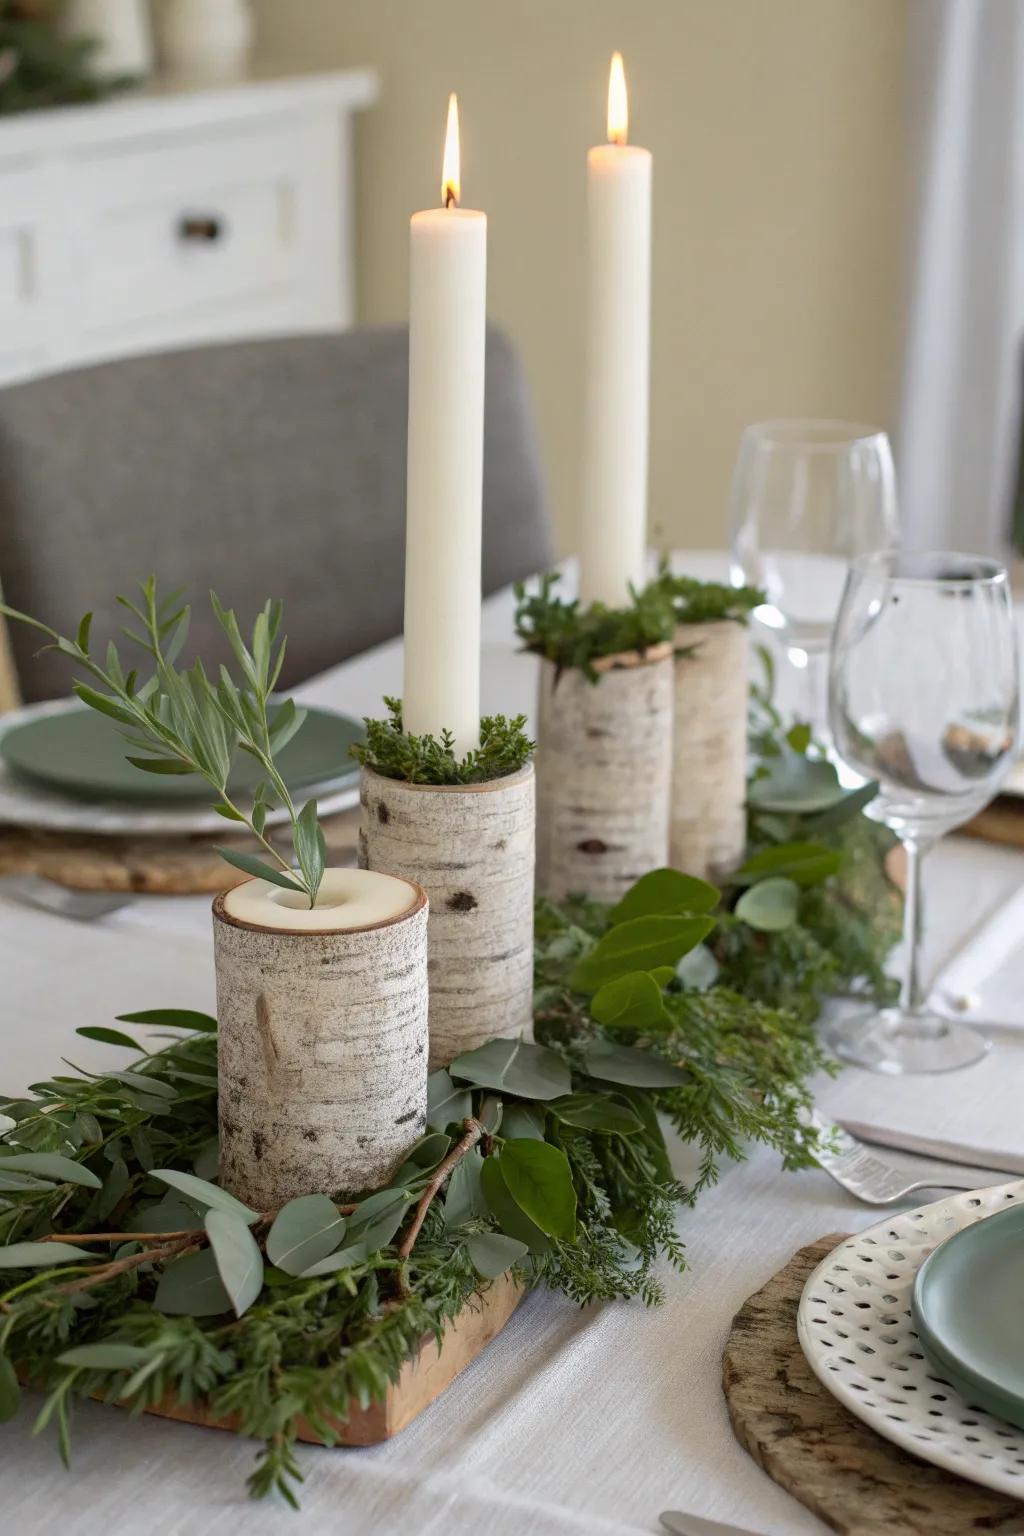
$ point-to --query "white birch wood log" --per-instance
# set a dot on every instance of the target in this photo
(709, 770)
(471, 847)
(604, 769)
(322, 1053)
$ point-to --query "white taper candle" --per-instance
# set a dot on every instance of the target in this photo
(447, 323)
(613, 536)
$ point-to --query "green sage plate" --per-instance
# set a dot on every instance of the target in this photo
(80, 753)
(968, 1310)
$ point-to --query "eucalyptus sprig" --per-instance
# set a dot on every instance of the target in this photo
(504, 748)
(184, 722)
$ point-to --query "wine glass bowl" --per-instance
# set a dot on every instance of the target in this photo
(924, 699)
(808, 497)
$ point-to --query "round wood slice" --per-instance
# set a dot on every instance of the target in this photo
(161, 866)
(807, 1442)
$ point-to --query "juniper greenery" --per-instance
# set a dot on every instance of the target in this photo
(570, 635)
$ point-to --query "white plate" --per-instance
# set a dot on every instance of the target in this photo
(856, 1329)
(30, 805)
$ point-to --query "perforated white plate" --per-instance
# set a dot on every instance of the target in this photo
(857, 1331)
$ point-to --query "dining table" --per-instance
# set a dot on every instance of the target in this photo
(572, 1422)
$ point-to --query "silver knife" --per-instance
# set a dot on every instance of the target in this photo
(48, 896)
(697, 1525)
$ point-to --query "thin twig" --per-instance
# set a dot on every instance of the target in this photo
(473, 1131)
(121, 1237)
(131, 1261)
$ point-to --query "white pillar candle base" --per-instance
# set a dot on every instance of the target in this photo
(322, 1036)
(604, 767)
(472, 849)
(709, 771)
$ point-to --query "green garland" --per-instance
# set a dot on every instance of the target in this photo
(39, 68)
(573, 636)
(544, 1158)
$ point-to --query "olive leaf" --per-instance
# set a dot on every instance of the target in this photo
(40, 1255)
(108, 1355)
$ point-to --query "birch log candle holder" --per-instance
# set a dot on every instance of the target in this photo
(709, 767)
(322, 1034)
(471, 847)
(604, 772)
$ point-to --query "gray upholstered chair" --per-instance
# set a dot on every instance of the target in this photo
(263, 469)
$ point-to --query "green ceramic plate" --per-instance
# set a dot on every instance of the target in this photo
(81, 753)
(968, 1307)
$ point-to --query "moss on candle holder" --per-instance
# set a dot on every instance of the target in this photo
(574, 636)
(706, 602)
(504, 749)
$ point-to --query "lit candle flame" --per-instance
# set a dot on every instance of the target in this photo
(618, 106)
(450, 168)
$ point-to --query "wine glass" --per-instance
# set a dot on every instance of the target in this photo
(923, 697)
(807, 497)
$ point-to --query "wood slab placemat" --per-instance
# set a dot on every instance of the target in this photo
(808, 1443)
(161, 866)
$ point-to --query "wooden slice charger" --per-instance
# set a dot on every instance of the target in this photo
(807, 1442)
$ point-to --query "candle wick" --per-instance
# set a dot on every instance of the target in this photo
(450, 200)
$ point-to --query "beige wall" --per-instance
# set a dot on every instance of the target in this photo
(777, 131)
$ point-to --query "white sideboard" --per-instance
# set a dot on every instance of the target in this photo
(175, 216)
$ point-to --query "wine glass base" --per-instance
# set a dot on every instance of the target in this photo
(891, 1041)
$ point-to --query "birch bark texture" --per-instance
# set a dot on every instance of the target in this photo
(709, 768)
(604, 774)
(471, 847)
(322, 1054)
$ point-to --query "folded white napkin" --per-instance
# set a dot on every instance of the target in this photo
(985, 980)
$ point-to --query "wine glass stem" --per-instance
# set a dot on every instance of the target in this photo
(911, 989)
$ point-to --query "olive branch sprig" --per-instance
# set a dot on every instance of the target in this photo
(184, 722)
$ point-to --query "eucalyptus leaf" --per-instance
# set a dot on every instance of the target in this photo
(115, 1186)
(154, 1087)
(445, 1102)
(239, 1261)
(771, 905)
(40, 1255)
(6, 1124)
(492, 1253)
(514, 1066)
(611, 1063)
(638, 945)
(355, 1253)
(506, 1212)
(192, 1287)
(464, 1198)
(204, 1193)
(698, 970)
(539, 1179)
(633, 1001)
(170, 1215)
(376, 1220)
(806, 863)
(843, 810)
(305, 1231)
(15, 1183)
(50, 1165)
(796, 785)
(519, 1120)
(108, 1355)
(665, 892)
(596, 1112)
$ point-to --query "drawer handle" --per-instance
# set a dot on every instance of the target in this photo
(200, 228)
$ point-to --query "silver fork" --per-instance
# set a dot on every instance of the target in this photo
(859, 1169)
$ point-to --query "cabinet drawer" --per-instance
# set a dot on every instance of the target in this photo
(28, 283)
(182, 226)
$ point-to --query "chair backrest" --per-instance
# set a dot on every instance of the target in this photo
(261, 469)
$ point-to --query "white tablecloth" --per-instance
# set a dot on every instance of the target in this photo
(572, 1423)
